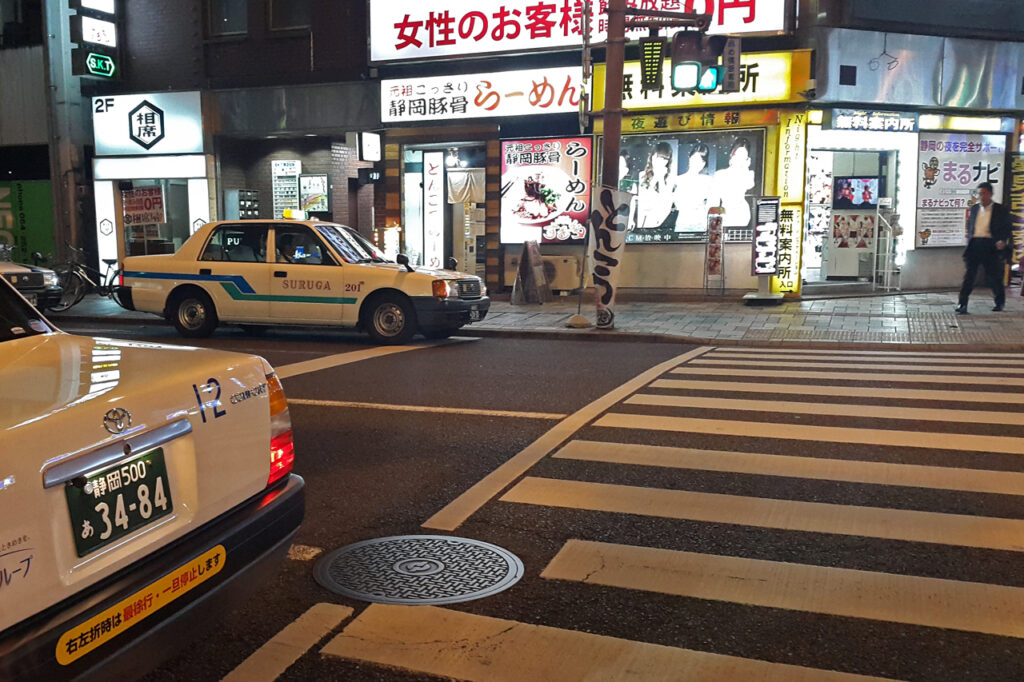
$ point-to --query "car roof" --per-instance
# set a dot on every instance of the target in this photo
(255, 222)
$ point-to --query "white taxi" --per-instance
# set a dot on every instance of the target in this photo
(141, 487)
(258, 272)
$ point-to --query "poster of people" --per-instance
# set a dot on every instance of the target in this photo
(853, 230)
(676, 178)
(545, 190)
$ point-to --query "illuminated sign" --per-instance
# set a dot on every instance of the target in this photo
(787, 279)
(545, 194)
(952, 165)
(369, 147)
(100, 65)
(430, 29)
(764, 77)
(154, 123)
(766, 237)
(881, 121)
(97, 31)
(792, 156)
(1016, 204)
(105, 6)
(482, 95)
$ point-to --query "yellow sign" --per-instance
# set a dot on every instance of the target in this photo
(694, 120)
(93, 633)
(792, 157)
(764, 77)
(791, 235)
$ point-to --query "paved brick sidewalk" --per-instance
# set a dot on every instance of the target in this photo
(919, 320)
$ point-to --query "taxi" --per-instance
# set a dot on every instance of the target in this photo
(142, 487)
(259, 272)
(41, 286)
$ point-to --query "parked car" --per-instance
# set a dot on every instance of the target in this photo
(141, 486)
(39, 285)
(260, 272)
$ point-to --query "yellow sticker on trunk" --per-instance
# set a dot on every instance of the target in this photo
(101, 628)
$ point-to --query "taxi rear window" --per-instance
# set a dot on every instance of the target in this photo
(237, 244)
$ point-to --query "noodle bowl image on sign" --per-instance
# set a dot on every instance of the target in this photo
(545, 190)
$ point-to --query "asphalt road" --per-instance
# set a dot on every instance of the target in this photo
(799, 513)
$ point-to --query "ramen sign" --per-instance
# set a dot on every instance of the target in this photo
(545, 190)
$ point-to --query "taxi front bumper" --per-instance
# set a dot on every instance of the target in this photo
(254, 536)
(447, 313)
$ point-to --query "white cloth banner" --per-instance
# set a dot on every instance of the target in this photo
(466, 186)
(608, 222)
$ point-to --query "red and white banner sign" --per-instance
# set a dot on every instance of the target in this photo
(143, 206)
(482, 95)
(467, 28)
(433, 209)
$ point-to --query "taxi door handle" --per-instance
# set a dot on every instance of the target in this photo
(280, 273)
(205, 271)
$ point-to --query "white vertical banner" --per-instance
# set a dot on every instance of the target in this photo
(608, 221)
(198, 204)
(433, 209)
(106, 220)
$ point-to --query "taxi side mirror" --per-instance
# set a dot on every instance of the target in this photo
(402, 259)
(37, 258)
(452, 264)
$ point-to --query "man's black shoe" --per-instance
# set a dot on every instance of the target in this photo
(998, 309)
(962, 310)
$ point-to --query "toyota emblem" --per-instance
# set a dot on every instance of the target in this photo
(117, 420)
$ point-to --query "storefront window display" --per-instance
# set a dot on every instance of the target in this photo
(676, 178)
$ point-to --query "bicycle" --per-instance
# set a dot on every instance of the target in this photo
(78, 279)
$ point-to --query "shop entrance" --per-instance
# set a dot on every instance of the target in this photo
(443, 189)
(844, 235)
(155, 215)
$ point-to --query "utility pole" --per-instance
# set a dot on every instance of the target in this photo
(615, 56)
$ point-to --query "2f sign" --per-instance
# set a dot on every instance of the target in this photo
(101, 105)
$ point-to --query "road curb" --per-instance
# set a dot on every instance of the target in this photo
(621, 336)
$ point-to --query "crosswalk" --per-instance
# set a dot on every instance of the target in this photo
(854, 499)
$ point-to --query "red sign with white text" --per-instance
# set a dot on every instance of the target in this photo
(429, 29)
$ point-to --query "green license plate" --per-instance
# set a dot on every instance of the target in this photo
(119, 500)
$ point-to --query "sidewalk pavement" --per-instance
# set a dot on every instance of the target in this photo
(920, 321)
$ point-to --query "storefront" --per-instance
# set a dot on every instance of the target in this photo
(461, 149)
(689, 153)
(887, 194)
(152, 178)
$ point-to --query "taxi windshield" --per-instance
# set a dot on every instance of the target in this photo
(17, 318)
(350, 245)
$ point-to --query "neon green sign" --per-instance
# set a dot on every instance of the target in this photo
(100, 65)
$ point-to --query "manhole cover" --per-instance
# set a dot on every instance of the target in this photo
(419, 569)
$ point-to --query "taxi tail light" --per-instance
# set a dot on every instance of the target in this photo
(120, 279)
(282, 445)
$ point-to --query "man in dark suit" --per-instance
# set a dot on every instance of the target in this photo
(988, 234)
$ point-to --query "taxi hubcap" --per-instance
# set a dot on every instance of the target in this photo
(192, 314)
(388, 319)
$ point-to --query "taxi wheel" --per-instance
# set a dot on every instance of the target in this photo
(193, 315)
(390, 320)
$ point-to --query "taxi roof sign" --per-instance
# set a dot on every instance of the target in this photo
(293, 214)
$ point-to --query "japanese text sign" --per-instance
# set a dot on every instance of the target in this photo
(1015, 204)
(765, 258)
(482, 95)
(787, 279)
(879, 121)
(434, 193)
(952, 165)
(143, 206)
(545, 190)
(154, 123)
(764, 77)
(792, 156)
(469, 28)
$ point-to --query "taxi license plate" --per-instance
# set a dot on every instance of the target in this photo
(119, 500)
(474, 313)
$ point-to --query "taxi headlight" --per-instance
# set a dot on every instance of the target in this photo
(51, 279)
(444, 288)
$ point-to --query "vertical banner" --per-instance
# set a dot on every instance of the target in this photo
(1015, 204)
(765, 259)
(787, 280)
(792, 159)
(433, 209)
(608, 225)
